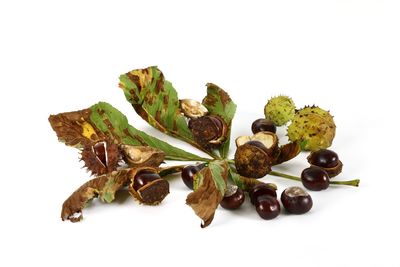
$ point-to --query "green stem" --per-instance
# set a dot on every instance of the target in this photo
(189, 159)
(354, 182)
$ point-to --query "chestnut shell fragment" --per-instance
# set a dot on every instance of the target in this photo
(208, 131)
(252, 161)
(151, 190)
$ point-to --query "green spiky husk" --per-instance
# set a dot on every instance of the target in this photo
(280, 110)
(313, 127)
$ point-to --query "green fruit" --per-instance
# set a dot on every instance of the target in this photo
(280, 110)
(313, 127)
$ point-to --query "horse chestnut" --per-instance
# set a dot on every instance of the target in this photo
(315, 178)
(296, 200)
(188, 173)
(267, 207)
(327, 160)
(261, 125)
(259, 190)
(233, 198)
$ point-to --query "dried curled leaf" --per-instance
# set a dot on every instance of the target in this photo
(138, 156)
(102, 121)
(209, 190)
(104, 187)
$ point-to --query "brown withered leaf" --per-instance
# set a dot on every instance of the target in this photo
(104, 187)
(209, 190)
(287, 152)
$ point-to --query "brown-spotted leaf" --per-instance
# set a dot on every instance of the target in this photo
(209, 190)
(104, 187)
(102, 121)
(156, 101)
(287, 152)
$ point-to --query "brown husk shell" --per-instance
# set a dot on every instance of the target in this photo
(152, 193)
(334, 171)
(94, 165)
(287, 152)
(139, 156)
(252, 161)
(207, 132)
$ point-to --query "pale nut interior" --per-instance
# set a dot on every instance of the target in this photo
(137, 154)
(295, 191)
(269, 140)
(192, 108)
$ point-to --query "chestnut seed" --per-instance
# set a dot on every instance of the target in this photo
(324, 158)
(259, 190)
(188, 172)
(267, 207)
(258, 144)
(144, 177)
(233, 198)
(296, 200)
(263, 125)
(99, 150)
(315, 178)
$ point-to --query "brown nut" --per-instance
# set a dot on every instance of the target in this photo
(326, 159)
(208, 131)
(147, 186)
(192, 108)
(253, 160)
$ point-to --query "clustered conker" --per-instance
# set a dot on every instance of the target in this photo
(296, 200)
(262, 125)
(315, 178)
(264, 198)
(327, 160)
(233, 198)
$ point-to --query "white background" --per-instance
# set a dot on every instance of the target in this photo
(62, 56)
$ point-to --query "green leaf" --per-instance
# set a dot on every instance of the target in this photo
(209, 189)
(102, 121)
(156, 101)
(219, 103)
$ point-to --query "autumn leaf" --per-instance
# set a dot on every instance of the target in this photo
(209, 190)
(156, 101)
(104, 187)
(219, 103)
(101, 121)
